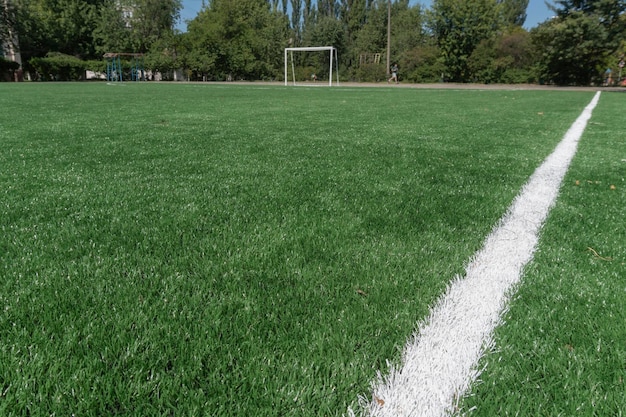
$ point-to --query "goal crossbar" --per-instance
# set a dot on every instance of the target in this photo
(332, 51)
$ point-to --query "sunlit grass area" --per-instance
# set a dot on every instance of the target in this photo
(241, 250)
(563, 350)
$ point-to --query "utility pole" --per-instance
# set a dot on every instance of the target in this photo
(388, 36)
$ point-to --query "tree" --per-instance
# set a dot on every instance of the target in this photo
(151, 20)
(459, 26)
(372, 37)
(507, 57)
(513, 11)
(327, 8)
(422, 64)
(571, 49)
(64, 26)
(407, 31)
(327, 31)
(576, 45)
(238, 39)
(203, 46)
(308, 17)
(85, 29)
(7, 21)
(296, 21)
(608, 12)
(167, 54)
(112, 34)
(353, 15)
(135, 25)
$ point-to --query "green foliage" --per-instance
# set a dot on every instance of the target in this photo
(66, 26)
(459, 26)
(571, 49)
(574, 47)
(407, 30)
(151, 21)
(166, 54)
(519, 76)
(98, 66)
(327, 31)
(303, 73)
(506, 58)
(513, 12)
(87, 29)
(422, 65)
(372, 37)
(482, 63)
(7, 22)
(56, 66)
(111, 33)
(244, 39)
(370, 73)
(237, 39)
(353, 17)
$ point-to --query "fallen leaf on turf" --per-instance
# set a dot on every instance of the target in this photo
(597, 255)
(361, 292)
(380, 401)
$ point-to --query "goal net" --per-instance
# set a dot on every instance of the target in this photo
(311, 65)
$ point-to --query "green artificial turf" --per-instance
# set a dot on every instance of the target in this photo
(562, 351)
(181, 249)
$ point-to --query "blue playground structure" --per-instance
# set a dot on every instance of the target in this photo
(115, 70)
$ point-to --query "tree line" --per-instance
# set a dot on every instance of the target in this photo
(454, 40)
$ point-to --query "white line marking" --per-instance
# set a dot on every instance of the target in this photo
(439, 362)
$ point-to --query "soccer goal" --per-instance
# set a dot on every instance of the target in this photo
(324, 61)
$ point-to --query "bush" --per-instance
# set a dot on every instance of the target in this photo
(370, 73)
(96, 66)
(507, 59)
(518, 76)
(304, 73)
(422, 65)
(58, 67)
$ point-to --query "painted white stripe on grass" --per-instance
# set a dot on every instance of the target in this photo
(439, 362)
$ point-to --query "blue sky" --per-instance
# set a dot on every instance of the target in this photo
(537, 11)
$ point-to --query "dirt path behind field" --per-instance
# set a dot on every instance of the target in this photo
(432, 86)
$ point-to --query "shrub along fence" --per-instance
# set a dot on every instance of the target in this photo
(60, 67)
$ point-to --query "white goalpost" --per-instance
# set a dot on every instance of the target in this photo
(332, 52)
